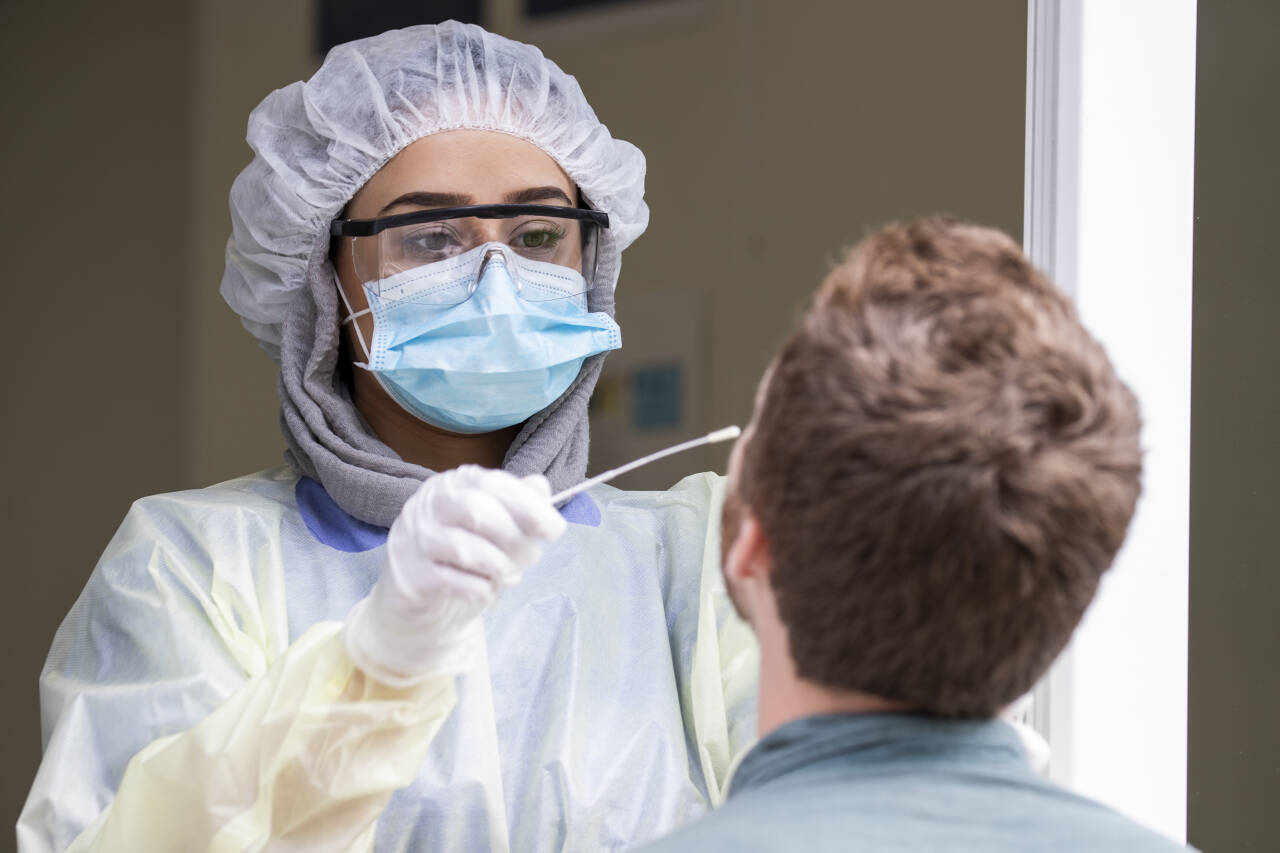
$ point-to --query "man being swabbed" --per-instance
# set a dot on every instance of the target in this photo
(941, 465)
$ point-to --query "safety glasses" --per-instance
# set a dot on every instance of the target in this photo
(395, 251)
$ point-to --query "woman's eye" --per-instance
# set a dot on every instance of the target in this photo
(431, 241)
(428, 244)
(539, 239)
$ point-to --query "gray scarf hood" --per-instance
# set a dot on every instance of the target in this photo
(316, 143)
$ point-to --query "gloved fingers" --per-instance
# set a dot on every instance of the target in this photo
(477, 590)
(445, 486)
(480, 512)
(467, 552)
(528, 503)
(539, 483)
(525, 554)
(446, 583)
(446, 499)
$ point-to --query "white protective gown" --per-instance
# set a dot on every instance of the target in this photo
(617, 687)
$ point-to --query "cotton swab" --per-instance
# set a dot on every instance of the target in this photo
(726, 434)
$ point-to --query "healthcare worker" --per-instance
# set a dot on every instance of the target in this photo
(357, 652)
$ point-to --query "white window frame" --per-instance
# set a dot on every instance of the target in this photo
(1108, 214)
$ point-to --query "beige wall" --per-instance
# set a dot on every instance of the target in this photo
(96, 115)
(242, 51)
(775, 132)
(1233, 750)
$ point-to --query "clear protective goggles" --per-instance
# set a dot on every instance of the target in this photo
(411, 252)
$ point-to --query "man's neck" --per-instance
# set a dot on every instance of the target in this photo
(785, 696)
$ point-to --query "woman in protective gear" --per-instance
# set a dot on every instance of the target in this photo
(355, 651)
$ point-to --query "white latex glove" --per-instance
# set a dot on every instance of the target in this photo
(464, 535)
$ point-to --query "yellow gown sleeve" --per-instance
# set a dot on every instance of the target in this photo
(304, 757)
(179, 716)
(725, 665)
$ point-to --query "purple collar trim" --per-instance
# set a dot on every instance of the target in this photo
(581, 510)
(330, 524)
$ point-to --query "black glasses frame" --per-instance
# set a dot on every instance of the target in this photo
(370, 227)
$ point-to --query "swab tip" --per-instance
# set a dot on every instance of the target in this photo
(724, 434)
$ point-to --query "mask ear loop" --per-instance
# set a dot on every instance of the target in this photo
(352, 316)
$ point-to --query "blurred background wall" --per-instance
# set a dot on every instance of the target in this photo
(776, 133)
(1233, 749)
(98, 106)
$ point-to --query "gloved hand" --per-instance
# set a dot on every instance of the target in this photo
(464, 535)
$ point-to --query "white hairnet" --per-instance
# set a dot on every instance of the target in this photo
(316, 143)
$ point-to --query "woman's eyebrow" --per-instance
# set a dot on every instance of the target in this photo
(428, 199)
(532, 194)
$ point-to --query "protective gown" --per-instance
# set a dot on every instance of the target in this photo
(617, 687)
(199, 696)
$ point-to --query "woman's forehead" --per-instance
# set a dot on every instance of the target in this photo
(462, 167)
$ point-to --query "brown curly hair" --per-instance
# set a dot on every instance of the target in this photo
(944, 463)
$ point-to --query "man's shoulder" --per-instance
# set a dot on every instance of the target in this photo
(728, 829)
(878, 815)
(1090, 825)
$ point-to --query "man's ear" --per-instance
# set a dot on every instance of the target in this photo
(749, 558)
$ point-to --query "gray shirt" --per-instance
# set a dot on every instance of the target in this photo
(902, 782)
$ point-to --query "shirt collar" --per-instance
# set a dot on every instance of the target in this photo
(874, 738)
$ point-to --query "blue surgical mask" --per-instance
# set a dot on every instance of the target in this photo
(491, 360)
